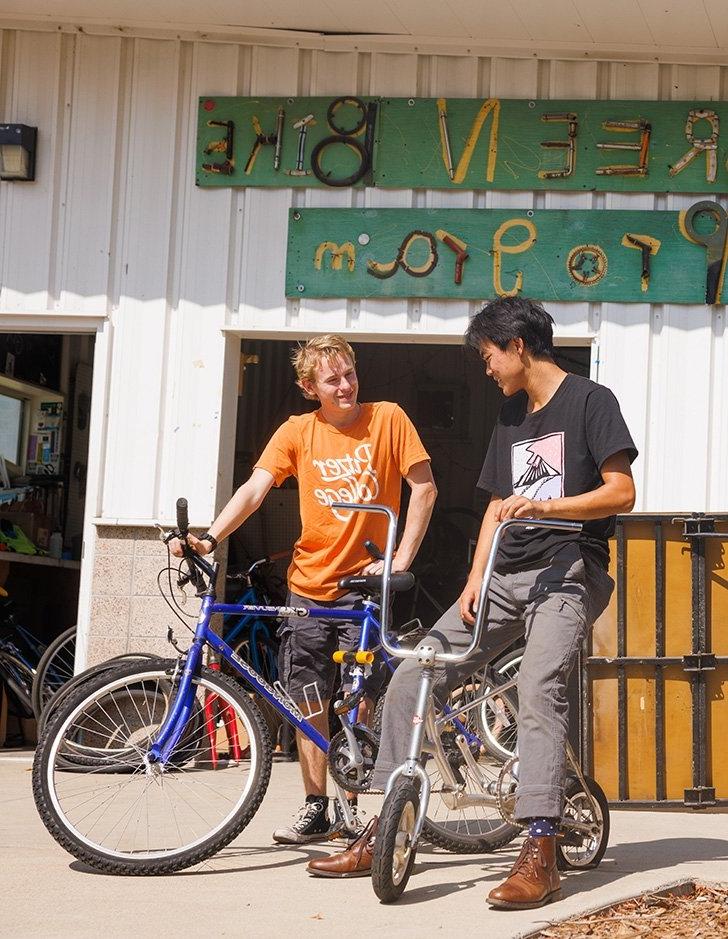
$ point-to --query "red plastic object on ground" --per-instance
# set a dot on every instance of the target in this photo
(228, 717)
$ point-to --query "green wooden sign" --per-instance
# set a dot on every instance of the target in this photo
(285, 141)
(627, 256)
(645, 146)
(460, 143)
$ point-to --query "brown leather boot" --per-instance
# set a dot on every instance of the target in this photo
(533, 880)
(356, 861)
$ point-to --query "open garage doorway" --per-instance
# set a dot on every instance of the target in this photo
(453, 406)
(45, 422)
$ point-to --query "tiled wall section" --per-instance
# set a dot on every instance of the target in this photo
(128, 613)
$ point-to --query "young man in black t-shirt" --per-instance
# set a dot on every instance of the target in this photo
(562, 450)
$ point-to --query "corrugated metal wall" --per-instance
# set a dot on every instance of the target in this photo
(115, 225)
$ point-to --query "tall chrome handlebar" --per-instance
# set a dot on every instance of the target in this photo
(448, 657)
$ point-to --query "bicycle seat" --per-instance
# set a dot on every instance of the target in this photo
(371, 584)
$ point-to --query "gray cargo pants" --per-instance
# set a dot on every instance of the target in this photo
(555, 606)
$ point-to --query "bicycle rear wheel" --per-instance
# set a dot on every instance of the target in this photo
(55, 668)
(129, 816)
(466, 819)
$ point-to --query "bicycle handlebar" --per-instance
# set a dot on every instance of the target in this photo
(183, 522)
(449, 657)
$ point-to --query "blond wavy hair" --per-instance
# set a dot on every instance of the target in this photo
(308, 356)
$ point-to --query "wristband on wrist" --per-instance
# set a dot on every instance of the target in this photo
(211, 538)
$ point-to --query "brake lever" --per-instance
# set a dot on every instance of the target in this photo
(166, 536)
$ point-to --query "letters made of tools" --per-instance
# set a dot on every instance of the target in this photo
(458, 174)
(347, 136)
(569, 145)
(586, 264)
(459, 247)
(499, 249)
(708, 145)
(337, 255)
(388, 269)
(266, 140)
(715, 243)
(647, 246)
(227, 167)
(643, 147)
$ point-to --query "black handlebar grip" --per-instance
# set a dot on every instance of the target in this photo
(374, 550)
(183, 522)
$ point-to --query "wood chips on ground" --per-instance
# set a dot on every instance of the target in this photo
(691, 910)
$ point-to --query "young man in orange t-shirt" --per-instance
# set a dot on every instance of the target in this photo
(342, 452)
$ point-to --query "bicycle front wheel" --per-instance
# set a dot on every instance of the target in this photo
(129, 816)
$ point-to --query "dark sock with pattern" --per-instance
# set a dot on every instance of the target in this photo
(543, 827)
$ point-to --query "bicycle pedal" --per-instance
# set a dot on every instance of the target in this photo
(348, 704)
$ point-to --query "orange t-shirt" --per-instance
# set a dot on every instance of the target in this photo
(363, 463)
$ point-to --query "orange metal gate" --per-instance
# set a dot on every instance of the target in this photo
(654, 712)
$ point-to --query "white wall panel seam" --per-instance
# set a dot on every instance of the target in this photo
(173, 328)
(62, 171)
(124, 156)
(238, 206)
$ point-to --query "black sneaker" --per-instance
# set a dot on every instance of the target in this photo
(312, 824)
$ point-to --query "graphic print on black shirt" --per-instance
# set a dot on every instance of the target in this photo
(552, 453)
(538, 467)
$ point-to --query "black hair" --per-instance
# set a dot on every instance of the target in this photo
(507, 318)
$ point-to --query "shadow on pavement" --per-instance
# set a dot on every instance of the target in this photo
(620, 861)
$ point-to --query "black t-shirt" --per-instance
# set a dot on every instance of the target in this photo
(553, 453)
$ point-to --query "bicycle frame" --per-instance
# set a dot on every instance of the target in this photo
(174, 724)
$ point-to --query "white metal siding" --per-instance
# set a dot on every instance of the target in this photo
(115, 225)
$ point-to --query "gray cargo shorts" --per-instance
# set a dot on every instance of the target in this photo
(307, 646)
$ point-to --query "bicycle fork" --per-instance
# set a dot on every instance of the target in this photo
(412, 767)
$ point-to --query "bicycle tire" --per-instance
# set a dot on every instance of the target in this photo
(497, 726)
(18, 678)
(394, 856)
(49, 794)
(581, 857)
(55, 669)
(378, 714)
(55, 702)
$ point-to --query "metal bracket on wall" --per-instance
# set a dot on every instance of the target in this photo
(700, 797)
(699, 662)
(699, 526)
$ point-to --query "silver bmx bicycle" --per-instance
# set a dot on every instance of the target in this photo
(448, 755)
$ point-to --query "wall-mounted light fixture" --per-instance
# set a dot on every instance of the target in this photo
(17, 152)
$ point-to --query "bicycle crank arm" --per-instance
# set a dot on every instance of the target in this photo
(355, 756)
(348, 815)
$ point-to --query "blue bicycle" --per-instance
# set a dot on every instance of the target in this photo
(177, 757)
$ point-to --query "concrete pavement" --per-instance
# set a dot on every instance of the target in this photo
(255, 889)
